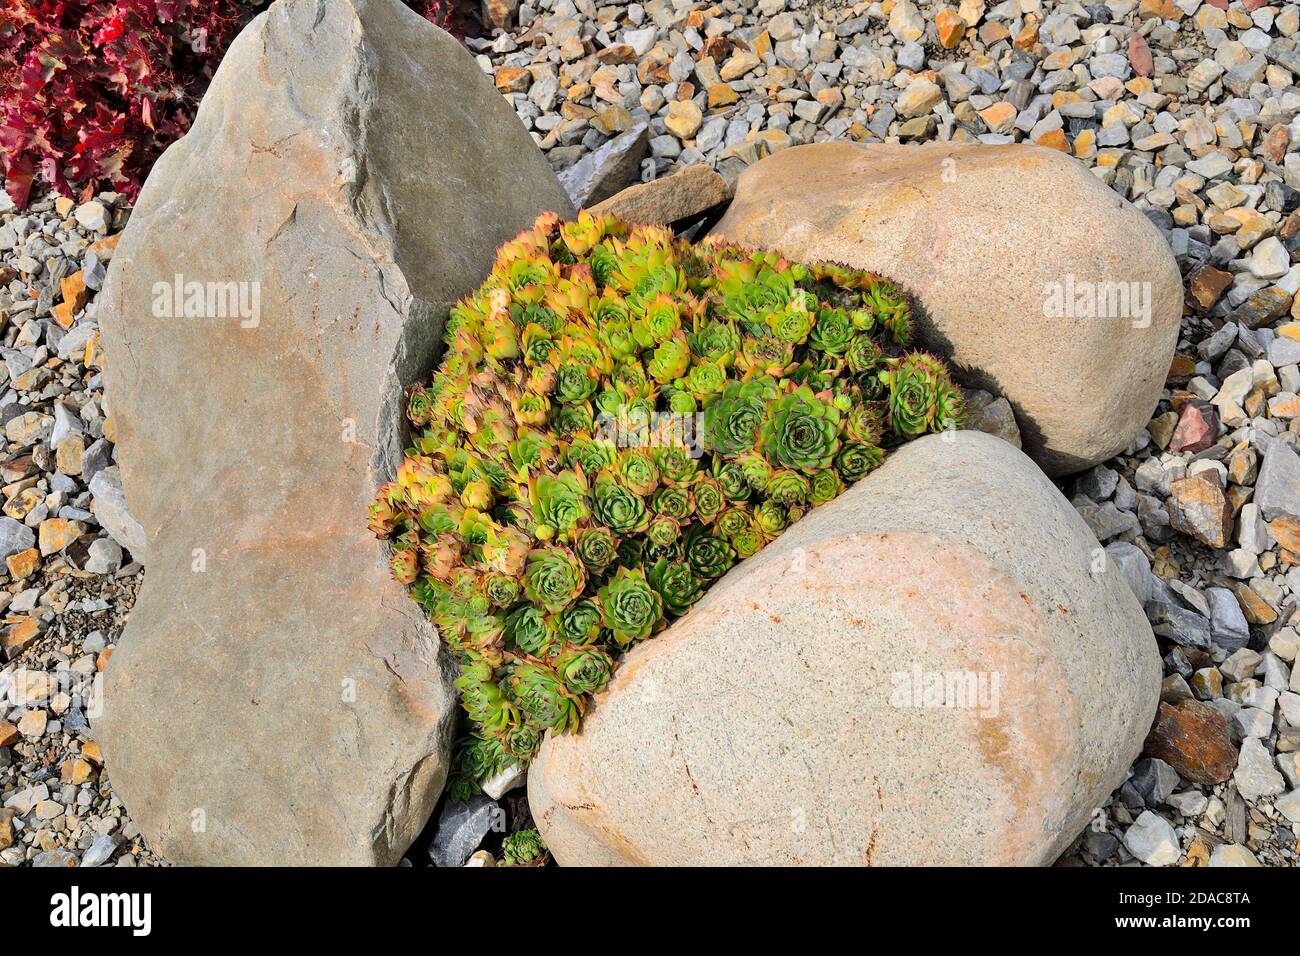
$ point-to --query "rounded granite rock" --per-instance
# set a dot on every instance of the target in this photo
(1034, 277)
(939, 667)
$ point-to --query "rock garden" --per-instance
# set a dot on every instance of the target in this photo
(759, 432)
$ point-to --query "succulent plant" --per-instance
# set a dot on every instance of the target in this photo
(584, 670)
(632, 609)
(523, 848)
(617, 419)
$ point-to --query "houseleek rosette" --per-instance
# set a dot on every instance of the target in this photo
(554, 578)
(542, 697)
(631, 608)
(801, 432)
(523, 848)
(585, 670)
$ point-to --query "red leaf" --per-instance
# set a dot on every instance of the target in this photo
(18, 180)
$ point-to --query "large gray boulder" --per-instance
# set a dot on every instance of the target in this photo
(1033, 276)
(792, 716)
(276, 697)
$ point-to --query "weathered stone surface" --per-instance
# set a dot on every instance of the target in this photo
(672, 199)
(988, 238)
(603, 173)
(1255, 774)
(1193, 739)
(1229, 854)
(776, 722)
(992, 415)
(1277, 491)
(1197, 506)
(1152, 840)
(1198, 427)
(111, 512)
(354, 162)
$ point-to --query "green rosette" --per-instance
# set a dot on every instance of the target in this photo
(502, 590)
(801, 432)
(911, 399)
(748, 543)
(732, 420)
(638, 470)
(580, 624)
(709, 556)
(631, 608)
(771, 519)
(584, 670)
(554, 578)
(484, 702)
(855, 460)
(529, 630)
(676, 583)
(542, 698)
(620, 510)
(787, 487)
(559, 503)
(592, 455)
(826, 486)
(708, 499)
(832, 332)
(732, 522)
(663, 530)
(733, 483)
(596, 547)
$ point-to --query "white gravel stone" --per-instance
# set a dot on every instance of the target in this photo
(1152, 840)
(1230, 854)
(1255, 776)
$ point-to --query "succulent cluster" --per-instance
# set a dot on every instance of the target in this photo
(523, 848)
(618, 418)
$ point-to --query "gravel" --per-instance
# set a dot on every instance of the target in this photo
(66, 584)
(1191, 118)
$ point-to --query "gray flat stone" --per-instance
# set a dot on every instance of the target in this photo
(613, 167)
(461, 828)
(1277, 489)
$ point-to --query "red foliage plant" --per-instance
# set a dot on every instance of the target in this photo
(443, 13)
(92, 91)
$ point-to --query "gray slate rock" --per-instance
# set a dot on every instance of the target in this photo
(63, 859)
(1152, 840)
(1135, 567)
(1178, 624)
(112, 514)
(461, 828)
(102, 850)
(1155, 780)
(14, 537)
(610, 169)
(1277, 489)
(1255, 775)
(1228, 626)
